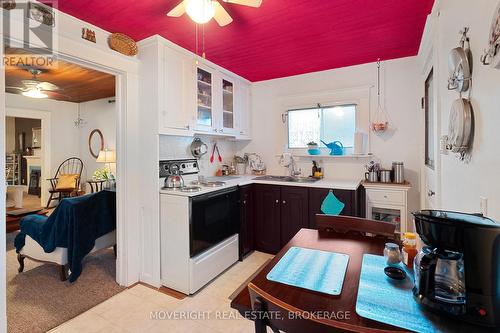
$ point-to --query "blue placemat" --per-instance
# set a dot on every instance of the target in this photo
(311, 269)
(390, 301)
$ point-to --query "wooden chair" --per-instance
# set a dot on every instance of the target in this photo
(269, 311)
(355, 225)
(72, 165)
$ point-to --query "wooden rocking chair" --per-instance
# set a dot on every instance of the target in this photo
(73, 167)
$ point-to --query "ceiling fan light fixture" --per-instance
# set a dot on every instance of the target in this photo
(200, 11)
(34, 93)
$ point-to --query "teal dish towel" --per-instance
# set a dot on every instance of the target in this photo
(332, 205)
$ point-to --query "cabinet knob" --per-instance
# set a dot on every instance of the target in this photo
(385, 196)
(187, 126)
(244, 202)
(284, 202)
(241, 132)
(277, 201)
(215, 129)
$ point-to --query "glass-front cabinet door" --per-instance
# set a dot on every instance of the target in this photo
(228, 106)
(204, 117)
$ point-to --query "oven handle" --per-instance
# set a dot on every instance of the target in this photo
(211, 195)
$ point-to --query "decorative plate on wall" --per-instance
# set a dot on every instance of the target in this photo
(491, 55)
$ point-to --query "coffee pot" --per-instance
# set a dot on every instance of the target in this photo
(457, 272)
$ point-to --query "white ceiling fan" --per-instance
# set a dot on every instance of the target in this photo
(202, 11)
(35, 88)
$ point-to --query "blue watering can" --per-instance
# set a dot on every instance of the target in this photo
(336, 147)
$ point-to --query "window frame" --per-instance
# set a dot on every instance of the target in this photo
(320, 107)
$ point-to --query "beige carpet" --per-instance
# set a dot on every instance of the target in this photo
(38, 301)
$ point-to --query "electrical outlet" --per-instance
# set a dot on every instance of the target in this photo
(484, 206)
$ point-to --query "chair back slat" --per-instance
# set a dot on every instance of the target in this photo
(72, 165)
(349, 224)
(280, 316)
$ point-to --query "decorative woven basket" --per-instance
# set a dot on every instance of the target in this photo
(123, 44)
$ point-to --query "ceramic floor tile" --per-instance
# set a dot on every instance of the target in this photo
(87, 322)
(130, 311)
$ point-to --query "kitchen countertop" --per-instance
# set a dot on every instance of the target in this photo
(232, 181)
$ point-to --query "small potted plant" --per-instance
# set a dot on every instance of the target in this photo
(313, 148)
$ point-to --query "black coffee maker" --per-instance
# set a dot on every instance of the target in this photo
(458, 271)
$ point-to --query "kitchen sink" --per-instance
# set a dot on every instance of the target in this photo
(287, 179)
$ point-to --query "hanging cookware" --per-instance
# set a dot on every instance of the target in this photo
(198, 148)
(460, 65)
(460, 126)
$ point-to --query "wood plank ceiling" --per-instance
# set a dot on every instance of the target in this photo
(281, 38)
(76, 83)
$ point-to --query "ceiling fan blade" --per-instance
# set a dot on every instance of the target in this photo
(30, 83)
(221, 15)
(47, 86)
(250, 3)
(178, 10)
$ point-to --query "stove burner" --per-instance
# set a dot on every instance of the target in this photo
(214, 184)
(196, 183)
(190, 189)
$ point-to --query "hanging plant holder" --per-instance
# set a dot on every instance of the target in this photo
(381, 121)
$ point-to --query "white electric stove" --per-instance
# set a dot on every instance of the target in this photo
(199, 227)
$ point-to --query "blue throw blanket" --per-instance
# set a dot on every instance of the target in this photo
(75, 224)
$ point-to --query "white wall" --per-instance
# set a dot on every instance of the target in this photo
(172, 147)
(64, 141)
(98, 114)
(401, 88)
(462, 184)
(10, 134)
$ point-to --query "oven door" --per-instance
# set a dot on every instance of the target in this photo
(214, 218)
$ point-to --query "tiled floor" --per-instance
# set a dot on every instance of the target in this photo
(130, 311)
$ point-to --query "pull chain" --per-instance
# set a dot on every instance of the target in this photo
(203, 42)
(378, 81)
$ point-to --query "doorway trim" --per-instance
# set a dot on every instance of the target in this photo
(126, 70)
(44, 116)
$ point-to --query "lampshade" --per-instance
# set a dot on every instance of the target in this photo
(106, 156)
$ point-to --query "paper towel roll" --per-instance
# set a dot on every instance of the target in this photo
(359, 143)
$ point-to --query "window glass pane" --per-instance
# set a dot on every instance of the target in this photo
(329, 124)
(303, 127)
(339, 124)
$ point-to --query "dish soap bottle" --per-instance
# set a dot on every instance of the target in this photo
(314, 169)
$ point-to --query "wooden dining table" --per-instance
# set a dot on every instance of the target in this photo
(343, 305)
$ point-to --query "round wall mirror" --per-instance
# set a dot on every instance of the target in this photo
(96, 142)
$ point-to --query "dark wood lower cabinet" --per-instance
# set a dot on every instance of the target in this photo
(317, 195)
(294, 211)
(267, 218)
(246, 240)
(273, 214)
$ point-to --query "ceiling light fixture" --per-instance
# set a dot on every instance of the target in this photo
(34, 93)
(200, 11)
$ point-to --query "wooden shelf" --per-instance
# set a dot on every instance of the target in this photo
(204, 83)
(332, 156)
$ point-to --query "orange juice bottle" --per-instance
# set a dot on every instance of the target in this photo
(409, 248)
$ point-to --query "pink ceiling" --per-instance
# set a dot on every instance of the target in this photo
(281, 38)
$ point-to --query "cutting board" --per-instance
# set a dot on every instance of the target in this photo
(310, 269)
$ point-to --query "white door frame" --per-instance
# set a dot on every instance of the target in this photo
(74, 49)
(44, 116)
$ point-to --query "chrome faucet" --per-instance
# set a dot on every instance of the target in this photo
(291, 168)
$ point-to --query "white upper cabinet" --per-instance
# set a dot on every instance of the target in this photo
(176, 106)
(243, 111)
(192, 95)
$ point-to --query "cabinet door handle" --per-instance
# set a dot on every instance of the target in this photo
(215, 129)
